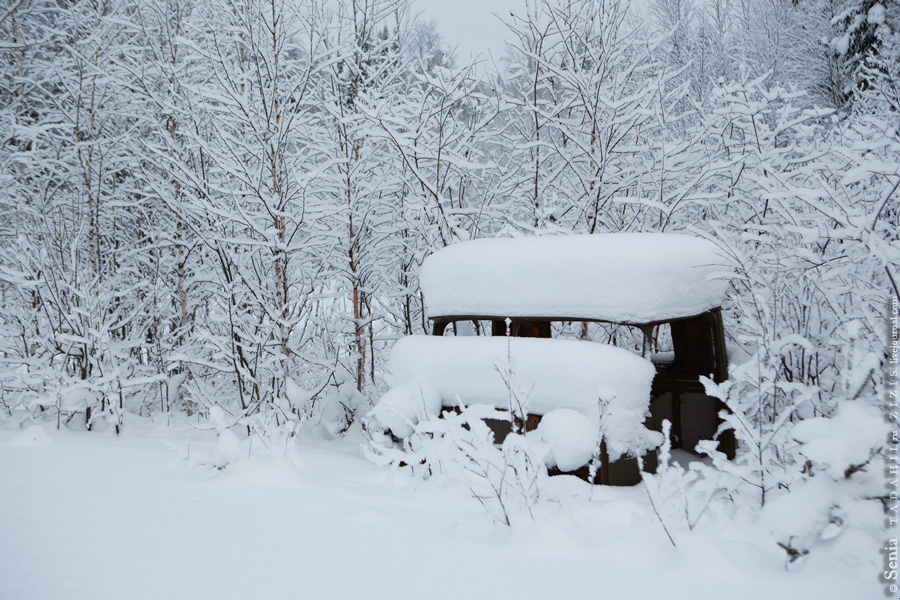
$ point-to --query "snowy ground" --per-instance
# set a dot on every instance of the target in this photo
(91, 515)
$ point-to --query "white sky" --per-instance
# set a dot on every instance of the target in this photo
(470, 25)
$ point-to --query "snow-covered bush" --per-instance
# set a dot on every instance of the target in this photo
(458, 449)
(680, 497)
(843, 482)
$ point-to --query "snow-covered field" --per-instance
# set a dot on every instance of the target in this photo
(93, 515)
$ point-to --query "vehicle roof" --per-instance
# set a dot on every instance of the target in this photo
(634, 278)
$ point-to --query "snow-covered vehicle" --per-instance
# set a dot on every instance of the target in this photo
(667, 286)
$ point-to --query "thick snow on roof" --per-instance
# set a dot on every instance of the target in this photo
(619, 277)
(550, 373)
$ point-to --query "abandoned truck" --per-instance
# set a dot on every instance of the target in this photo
(496, 304)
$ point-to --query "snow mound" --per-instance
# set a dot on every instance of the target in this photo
(295, 394)
(571, 436)
(77, 399)
(33, 436)
(401, 407)
(621, 277)
(547, 374)
(228, 449)
(847, 439)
